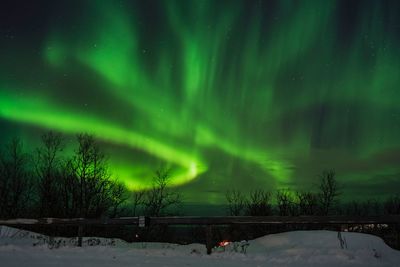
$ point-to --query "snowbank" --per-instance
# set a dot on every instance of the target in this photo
(300, 248)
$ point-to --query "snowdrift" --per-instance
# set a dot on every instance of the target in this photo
(298, 248)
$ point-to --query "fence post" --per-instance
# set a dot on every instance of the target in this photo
(397, 229)
(80, 234)
(209, 238)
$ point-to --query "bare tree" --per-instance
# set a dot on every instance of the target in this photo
(236, 202)
(15, 181)
(48, 164)
(69, 190)
(159, 200)
(307, 203)
(285, 202)
(328, 191)
(392, 205)
(369, 207)
(89, 188)
(259, 203)
(117, 195)
(137, 201)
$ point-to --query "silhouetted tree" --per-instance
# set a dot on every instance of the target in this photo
(236, 202)
(69, 190)
(307, 203)
(159, 200)
(285, 202)
(88, 188)
(392, 205)
(48, 167)
(259, 203)
(137, 201)
(328, 192)
(15, 180)
(363, 208)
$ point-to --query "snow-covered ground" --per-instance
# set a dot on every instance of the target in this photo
(300, 248)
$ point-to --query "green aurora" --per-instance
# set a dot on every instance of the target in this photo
(227, 94)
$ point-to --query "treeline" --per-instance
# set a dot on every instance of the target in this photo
(323, 200)
(52, 182)
(48, 182)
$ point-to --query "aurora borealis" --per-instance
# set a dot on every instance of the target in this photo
(228, 94)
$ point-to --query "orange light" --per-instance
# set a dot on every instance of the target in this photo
(224, 243)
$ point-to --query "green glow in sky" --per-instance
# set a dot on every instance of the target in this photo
(228, 94)
(37, 113)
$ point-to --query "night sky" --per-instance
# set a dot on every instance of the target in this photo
(227, 94)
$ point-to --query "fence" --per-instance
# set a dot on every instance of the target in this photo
(209, 222)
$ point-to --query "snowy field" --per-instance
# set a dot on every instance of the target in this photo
(300, 248)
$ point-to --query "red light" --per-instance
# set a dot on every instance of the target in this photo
(224, 243)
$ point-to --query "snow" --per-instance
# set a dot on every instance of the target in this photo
(299, 248)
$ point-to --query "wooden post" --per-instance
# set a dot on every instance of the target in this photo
(209, 238)
(397, 229)
(80, 234)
